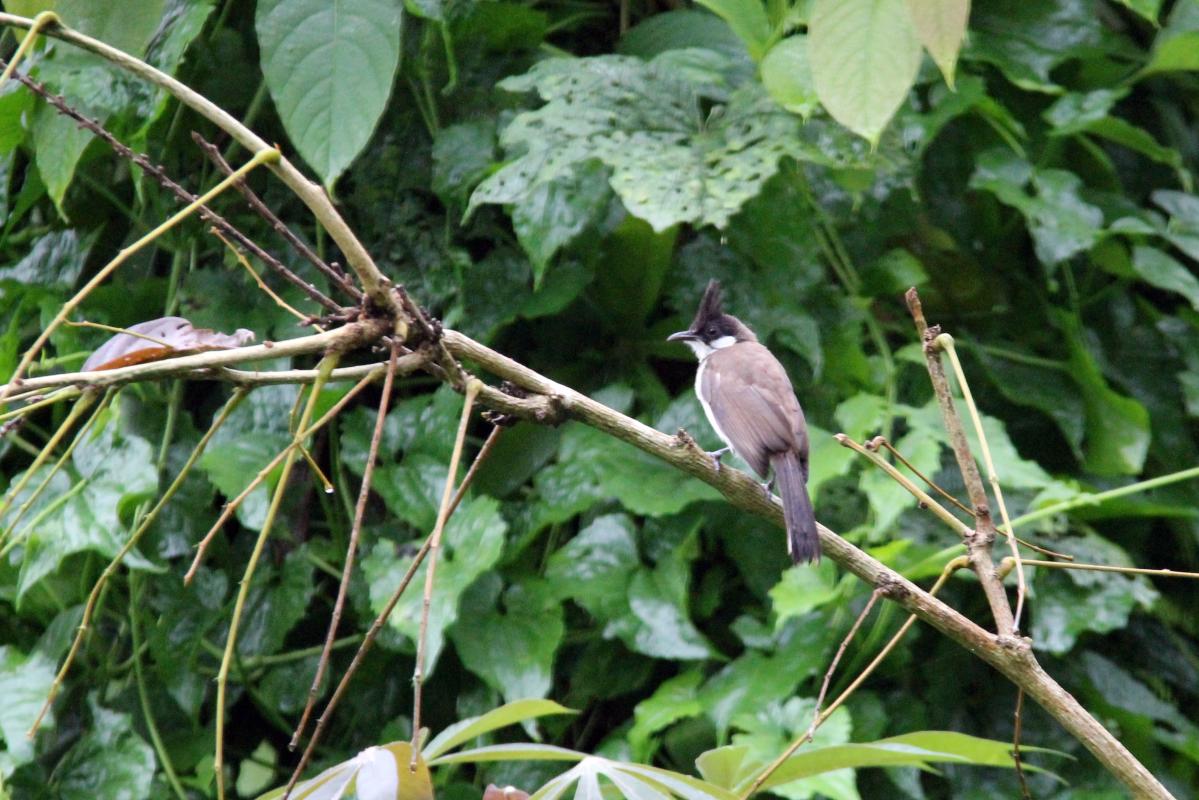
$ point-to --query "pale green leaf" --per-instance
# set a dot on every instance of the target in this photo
(1159, 269)
(864, 56)
(787, 75)
(329, 67)
(508, 714)
(941, 27)
(748, 20)
(511, 752)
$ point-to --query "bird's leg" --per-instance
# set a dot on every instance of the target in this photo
(716, 455)
(768, 488)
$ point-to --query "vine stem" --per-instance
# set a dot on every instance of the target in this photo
(324, 368)
(285, 453)
(443, 514)
(945, 342)
(822, 716)
(93, 598)
(368, 472)
(382, 617)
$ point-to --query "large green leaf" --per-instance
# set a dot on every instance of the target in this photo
(787, 75)
(1026, 41)
(1073, 602)
(1160, 270)
(669, 163)
(864, 56)
(1176, 47)
(472, 542)
(1061, 223)
(512, 650)
(110, 760)
(117, 471)
(329, 67)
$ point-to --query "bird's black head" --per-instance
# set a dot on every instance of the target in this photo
(712, 328)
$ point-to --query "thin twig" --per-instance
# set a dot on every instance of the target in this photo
(922, 496)
(93, 598)
(945, 342)
(368, 472)
(264, 211)
(326, 366)
(832, 667)
(232, 505)
(382, 617)
(1017, 762)
(443, 514)
(882, 441)
(978, 541)
(950, 568)
(245, 262)
(1007, 564)
(160, 176)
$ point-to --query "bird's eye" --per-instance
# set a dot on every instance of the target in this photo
(713, 331)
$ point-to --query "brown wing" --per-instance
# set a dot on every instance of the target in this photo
(754, 405)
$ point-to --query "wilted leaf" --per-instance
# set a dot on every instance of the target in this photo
(161, 338)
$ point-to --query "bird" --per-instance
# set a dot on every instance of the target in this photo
(749, 401)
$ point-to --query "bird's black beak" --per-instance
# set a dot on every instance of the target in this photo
(681, 336)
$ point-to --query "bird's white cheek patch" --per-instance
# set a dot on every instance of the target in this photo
(723, 341)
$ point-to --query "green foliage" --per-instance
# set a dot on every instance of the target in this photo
(563, 191)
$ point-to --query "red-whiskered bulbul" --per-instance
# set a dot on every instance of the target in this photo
(749, 400)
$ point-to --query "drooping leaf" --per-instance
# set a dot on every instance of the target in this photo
(864, 56)
(787, 75)
(329, 67)
(941, 26)
(748, 20)
(156, 339)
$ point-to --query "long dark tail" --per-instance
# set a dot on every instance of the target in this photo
(803, 543)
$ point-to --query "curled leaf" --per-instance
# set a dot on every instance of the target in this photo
(161, 338)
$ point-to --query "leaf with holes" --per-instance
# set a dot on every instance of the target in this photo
(669, 163)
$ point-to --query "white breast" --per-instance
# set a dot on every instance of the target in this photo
(703, 401)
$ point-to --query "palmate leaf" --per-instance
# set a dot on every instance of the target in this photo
(507, 714)
(669, 162)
